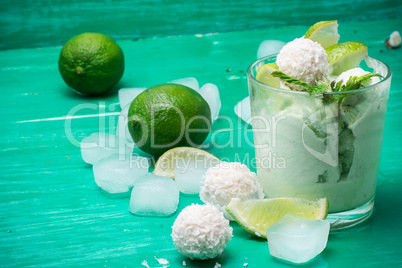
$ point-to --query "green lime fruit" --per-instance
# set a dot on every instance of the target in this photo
(256, 215)
(264, 75)
(345, 56)
(324, 33)
(167, 116)
(91, 63)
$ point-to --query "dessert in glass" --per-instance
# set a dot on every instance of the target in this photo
(321, 123)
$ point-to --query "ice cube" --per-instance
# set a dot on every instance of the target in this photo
(122, 125)
(127, 95)
(99, 145)
(154, 196)
(210, 93)
(297, 239)
(117, 173)
(190, 82)
(269, 47)
(188, 173)
(243, 110)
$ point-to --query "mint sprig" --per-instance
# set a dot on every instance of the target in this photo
(324, 87)
(321, 86)
(291, 80)
(354, 82)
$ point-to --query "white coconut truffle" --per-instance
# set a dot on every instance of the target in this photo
(395, 39)
(201, 232)
(225, 181)
(304, 60)
(344, 77)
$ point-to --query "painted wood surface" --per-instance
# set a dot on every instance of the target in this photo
(26, 24)
(53, 214)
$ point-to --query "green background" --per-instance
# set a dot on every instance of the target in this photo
(25, 23)
(53, 214)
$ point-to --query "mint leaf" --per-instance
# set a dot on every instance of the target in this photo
(321, 86)
(335, 87)
(291, 80)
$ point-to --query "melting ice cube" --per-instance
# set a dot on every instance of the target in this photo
(190, 82)
(269, 47)
(243, 110)
(154, 196)
(297, 239)
(122, 125)
(99, 145)
(117, 173)
(188, 173)
(210, 93)
(127, 95)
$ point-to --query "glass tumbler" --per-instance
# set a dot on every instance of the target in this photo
(315, 146)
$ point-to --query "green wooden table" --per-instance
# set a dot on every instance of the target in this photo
(53, 214)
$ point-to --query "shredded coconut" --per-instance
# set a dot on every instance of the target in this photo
(304, 60)
(145, 263)
(217, 265)
(395, 39)
(162, 260)
(201, 232)
(225, 181)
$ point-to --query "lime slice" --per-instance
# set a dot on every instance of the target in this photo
(166, 163)
(256, 215)
(345, 56)
(324, 33)
(264, 74)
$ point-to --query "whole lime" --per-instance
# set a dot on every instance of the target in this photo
(91, 63)
(167, 116)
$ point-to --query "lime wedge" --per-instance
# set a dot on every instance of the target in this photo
(324, 33)
(166, 163)
(264, 74)
(345, 56)
(256, 215)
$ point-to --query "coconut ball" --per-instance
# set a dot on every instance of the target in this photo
(225, 181)
(201, 232)
(395, 39)
(304, 60)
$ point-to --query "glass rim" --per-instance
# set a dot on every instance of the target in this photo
(250, 76)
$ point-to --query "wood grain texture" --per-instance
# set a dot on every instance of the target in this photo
(53, 214)
(26, 24)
